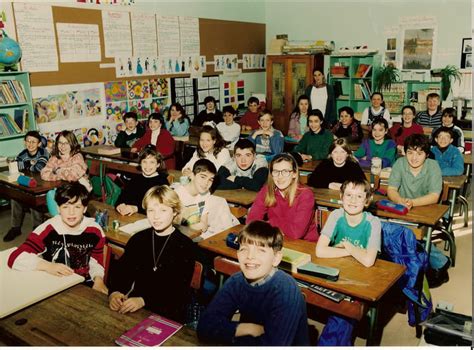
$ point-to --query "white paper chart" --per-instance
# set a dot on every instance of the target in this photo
(144, 34)
(117, 33)
(168, 36)
(78, 42)
(189, 36)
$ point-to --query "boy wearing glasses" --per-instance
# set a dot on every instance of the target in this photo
(350, 231)
(33, 158)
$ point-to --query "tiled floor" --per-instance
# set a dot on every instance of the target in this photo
(458, 291)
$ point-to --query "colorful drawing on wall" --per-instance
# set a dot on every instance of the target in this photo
(138, 89)
(234, 94)
(141, 107)
(159, 87)
(418, 48)
(115, 110)
(85, 103)
(115, 91)
(51, 108)
(223, 63)
(92, 136)
(157, 105)
(253, 61)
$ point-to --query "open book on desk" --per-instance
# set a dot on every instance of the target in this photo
(20, 289)
(136, 226)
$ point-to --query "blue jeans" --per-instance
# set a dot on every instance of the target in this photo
(437, 258)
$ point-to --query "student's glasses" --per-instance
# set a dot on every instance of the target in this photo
(282, 173)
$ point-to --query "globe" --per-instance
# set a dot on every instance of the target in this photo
(10, 51)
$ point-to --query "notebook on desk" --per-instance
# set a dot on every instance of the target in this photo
(20, 289)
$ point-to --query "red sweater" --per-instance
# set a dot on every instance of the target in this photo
(400, 140)
(295, 222)
(250, 119)
(164, 145)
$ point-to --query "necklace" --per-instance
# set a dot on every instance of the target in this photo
(155, 261)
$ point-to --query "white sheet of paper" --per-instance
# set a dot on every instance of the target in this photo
(189, 36)
(78, 42)
(117, 33)
(168, 35)
(136, 226)
(144, 34)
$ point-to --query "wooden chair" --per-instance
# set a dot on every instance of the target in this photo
(196, 280)
(445, 229)
(225, 267)
(238, 212)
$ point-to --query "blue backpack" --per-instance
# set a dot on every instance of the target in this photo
(400, 246)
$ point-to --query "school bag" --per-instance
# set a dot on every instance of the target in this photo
(400, 246)
(104, 187)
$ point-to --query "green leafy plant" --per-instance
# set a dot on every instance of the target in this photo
(386, 76)
(449, 75)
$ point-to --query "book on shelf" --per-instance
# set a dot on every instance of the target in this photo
(108, 150)
(292, 259)
(152, 331)
(368, 72)
(12, 91)
(362, 70)
(358, 92)
(20, 116)
(8, 126)
(338, 89)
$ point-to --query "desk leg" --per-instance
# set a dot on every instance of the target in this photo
(428, 240)
(451, 210)
(372, 314)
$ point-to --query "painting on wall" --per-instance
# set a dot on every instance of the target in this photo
(466, 53)
(418, 48)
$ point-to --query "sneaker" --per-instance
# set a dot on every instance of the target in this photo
(438, 277)
(12, 234)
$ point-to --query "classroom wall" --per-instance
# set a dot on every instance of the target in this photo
(355, 22)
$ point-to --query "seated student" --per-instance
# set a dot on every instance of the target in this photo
(400, 131)
(210, 113)
(153, 174)
(211, 146)
(377, 145)
(299, 118)
(431, 118)
(177, 122)
(315, 142)
(33, 158)
(158, 136)
(132, 132)
(156, 268)
(67, 243)
(376, 110)
(229, 130)
(285, 202)
(339, 167)
(449, 158)
(250, 119)
(203, 211)
(349, 231)
(66, 162)
(448, 120)
(347, 127)
(245, 170)
(268, 141)
(271, 307)
(416, 181)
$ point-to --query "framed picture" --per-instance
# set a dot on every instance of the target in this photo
(418, 48)
(466, 53)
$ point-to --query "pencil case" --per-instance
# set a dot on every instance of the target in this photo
(392, 207)
(232, 240)
(329, 273)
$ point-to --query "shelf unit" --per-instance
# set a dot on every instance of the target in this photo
(11, 145)
(347, 80)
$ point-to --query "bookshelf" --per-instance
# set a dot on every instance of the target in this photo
(15, 99)
(354, 78)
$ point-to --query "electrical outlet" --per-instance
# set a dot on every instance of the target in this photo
(444, 305)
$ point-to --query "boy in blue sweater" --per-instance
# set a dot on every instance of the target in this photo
(449, 157)
(272, 308)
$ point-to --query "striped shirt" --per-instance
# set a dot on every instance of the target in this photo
(33, 163)
(432, 121)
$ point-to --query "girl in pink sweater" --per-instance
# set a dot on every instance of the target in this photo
(287, 204)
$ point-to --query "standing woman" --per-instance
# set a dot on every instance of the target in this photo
(399, 132)
(177, 121)
(299, 118)
(285, 202)
(321, 96)
(158, 136)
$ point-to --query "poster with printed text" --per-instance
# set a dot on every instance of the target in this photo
(78, 42)
(117, 33)
(189, 36)
(168, 36)
(144, 34)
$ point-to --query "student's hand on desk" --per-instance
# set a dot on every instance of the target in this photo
(335, 186)
(306, 157)
(54, 269)
(253, 329)
(204, 222)
(99, 285)
(231, 178)
(125, 209)
(408, 203)
(116, 300)
(133, 149)
(132, 305)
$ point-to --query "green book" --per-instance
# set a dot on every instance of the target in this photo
(292, 259)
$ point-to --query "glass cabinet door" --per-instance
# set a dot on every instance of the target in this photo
(298, 82)
(278, 86)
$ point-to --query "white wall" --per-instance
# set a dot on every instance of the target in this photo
(355, 22)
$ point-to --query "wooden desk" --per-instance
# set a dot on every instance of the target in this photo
(115, 162)
(121, 238)
(309, 166)
(241, 197)
(365, 285)
(31, 196)
(78, 316)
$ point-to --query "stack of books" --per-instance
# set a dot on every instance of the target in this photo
(9, 126)
(362, 91)
(11, 92)
(363, 70)
(292, 259)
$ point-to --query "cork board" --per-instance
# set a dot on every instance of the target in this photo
(216, 37)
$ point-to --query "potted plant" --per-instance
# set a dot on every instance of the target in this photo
(386, 76)
(448, 74)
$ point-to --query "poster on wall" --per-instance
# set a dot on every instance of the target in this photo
(418, 48)
(78, 42)
(466, 53)
(390, 56)
(144, 34)
(7, 21)
(234, 94)
(189, 36)
(253, 61)
(225, 63)
(167, 28)
(117, 33)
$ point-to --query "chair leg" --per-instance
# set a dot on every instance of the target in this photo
(464, 210)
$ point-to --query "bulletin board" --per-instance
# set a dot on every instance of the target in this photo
(216, 37)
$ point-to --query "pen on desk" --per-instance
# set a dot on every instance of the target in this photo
(131, 290)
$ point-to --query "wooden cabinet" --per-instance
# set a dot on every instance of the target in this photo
(287, 78)
(15, 98)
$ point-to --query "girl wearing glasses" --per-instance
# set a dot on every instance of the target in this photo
(285, 202)
(339, 167)
(399, 132)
